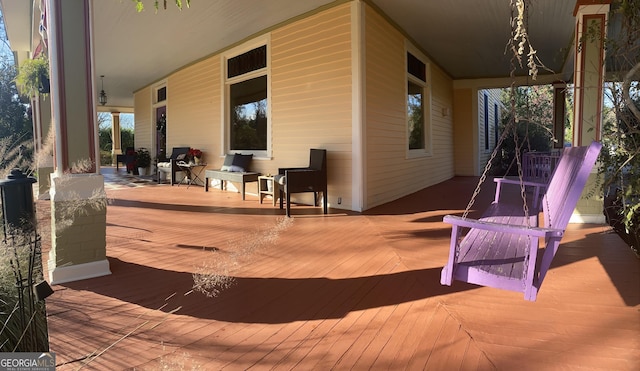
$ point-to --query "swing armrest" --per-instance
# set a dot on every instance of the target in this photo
(501, 227)
(515, 181)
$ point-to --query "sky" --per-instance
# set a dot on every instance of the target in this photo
(4, 49)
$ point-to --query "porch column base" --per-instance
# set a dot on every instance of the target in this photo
(44, 173)
(78, 228)
(590, 207)
(78, 272)
(578, 218)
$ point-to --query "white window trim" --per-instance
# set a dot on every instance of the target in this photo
(426, 85)
(226, 90)
(155, 89)
(152, 116)
(486, 124)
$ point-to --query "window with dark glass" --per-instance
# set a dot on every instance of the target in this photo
(252, 60)
(415, 105)
(496, 123)
(161, 94)
(416, 70)
(416, 67)
(248, 100)
(486, 122)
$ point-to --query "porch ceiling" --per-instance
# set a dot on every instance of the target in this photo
(465, 37)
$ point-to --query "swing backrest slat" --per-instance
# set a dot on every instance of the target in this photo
(567, 183)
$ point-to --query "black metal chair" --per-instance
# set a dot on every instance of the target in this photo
(308, 179)
(177, 154)
(128, 159)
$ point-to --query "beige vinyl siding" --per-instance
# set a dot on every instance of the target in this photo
(442, 164)
(142, 118)
(465, 147)
(390, 174)
(311, 96)
(311, 105)
(193, 112)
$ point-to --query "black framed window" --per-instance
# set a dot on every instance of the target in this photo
(248, 101)
(416, 103)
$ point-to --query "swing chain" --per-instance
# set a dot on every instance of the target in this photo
(487, 167)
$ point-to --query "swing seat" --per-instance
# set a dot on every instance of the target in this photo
(501, 248)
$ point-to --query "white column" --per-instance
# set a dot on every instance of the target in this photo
(78, 200)
(591, 31)
(116, 144)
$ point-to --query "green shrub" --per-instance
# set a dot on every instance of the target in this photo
(105, 157)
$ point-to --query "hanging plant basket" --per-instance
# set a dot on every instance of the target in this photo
(44, 87)
(33, 77)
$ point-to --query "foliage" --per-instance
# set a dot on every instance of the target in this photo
(23, 324)
(105, 157)
(143, 158)
(105, 140)
(15, 154)
(533, 115)
(620, 166)
(22, 317)
(416, 117)
(520, 39)
(156, 4)
(621, 126)
(15, 122)
(214, 275)
(249, 128)
(33, 77)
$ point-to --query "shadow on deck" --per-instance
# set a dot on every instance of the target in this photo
(344, 290)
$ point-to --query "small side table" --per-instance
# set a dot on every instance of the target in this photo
(192, 172)
(264, 183)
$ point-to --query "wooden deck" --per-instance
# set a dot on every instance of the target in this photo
(338, 291)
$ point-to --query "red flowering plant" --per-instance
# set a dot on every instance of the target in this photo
(194, 153)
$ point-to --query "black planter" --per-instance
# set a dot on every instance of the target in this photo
(44, 87)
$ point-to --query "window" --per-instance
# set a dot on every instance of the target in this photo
(161, 94)
(417, 105)
(249, 114)
(247, 102)
(496, 123)
(486, 121)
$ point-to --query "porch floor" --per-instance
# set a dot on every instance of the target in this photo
(339, 291)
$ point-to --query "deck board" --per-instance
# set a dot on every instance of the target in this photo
(338, 291)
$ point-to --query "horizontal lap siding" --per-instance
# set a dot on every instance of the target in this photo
(385, 108)
(442, 164)
(193, 114)
(142, 118)
(311, 101)
(390, 174)
(463, 133)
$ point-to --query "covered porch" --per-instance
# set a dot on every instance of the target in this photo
(340, 291)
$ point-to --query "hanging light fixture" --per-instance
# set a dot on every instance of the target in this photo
(103, 96)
